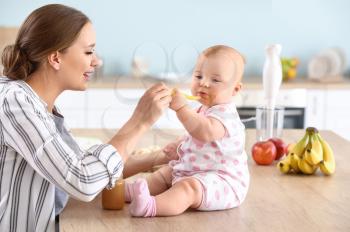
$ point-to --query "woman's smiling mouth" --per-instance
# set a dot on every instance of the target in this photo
(88, 75)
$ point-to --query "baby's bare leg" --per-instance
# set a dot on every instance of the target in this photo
(157, 183)
(185, 194)
(160, 180)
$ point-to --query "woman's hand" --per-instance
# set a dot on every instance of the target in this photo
(151, 105)
(178, 100)
(148, 110)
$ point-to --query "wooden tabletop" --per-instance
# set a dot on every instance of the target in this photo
(275, 202)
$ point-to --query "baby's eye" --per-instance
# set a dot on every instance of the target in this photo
(198, 77)
(216, 80)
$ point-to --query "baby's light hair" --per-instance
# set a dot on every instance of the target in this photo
(233, 54)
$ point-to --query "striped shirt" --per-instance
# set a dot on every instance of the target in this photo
(34, 159)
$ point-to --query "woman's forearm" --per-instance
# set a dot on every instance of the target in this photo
(143, 162)
(149, 108)
(125, 139)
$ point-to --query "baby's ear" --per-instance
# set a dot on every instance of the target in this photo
(237, 88)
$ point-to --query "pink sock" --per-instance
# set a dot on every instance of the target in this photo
(142, 204)
(128, 192)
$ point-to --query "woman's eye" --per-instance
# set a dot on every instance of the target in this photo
(90, 52)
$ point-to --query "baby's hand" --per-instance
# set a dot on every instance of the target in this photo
(170, 150)
(178, 100)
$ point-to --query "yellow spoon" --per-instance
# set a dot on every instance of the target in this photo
(189, 97)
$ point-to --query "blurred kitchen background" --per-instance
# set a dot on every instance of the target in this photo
(141, 41)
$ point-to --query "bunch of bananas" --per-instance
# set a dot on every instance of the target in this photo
(309, 154)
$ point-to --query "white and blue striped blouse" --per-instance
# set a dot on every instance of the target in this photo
(34, 158)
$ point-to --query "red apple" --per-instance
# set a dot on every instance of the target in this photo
(280, 146)
(264, 153)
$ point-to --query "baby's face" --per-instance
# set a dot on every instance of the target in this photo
(215, 79)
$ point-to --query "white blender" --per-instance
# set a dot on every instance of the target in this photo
(272, 79)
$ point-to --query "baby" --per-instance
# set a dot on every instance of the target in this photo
(211, 171)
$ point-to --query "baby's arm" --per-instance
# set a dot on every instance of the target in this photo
(203, 128)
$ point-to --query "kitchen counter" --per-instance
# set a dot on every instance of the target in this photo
(248, 83)
(275, 202)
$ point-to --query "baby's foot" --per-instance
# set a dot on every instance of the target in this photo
(142, 204)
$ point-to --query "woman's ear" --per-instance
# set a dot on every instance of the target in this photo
(54, 60)
(237, 88)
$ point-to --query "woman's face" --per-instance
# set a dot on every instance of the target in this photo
(78, 62)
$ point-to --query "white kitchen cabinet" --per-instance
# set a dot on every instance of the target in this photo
(329, 110)
(315, 108)
(337, 112)
(286, 98)
(111, 108)
(106, 108)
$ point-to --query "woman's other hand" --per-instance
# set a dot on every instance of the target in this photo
(151, 105)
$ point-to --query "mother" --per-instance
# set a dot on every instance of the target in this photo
(40, 162)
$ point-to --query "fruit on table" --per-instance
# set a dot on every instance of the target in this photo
(281, 147)
(289, 68)
(284, 166)
(290, 147)
(264, 153)
(327, 165)
(294, 162)
(313, 155)
(309, 154)
(306, 168)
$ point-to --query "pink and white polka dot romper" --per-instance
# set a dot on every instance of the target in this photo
(220, 166)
